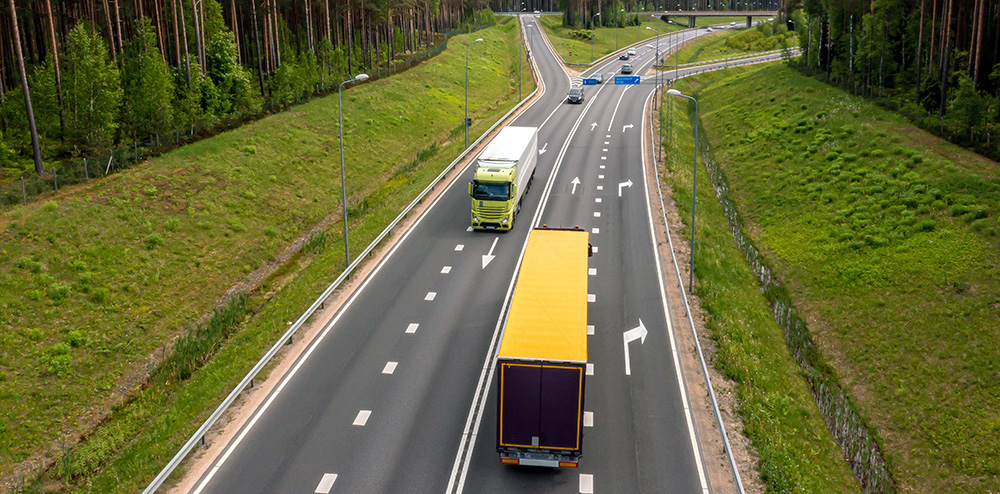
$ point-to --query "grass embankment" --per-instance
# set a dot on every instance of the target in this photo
(108, 272)
(576, 41)
(744, 42)
(885, 237)
(797, 453)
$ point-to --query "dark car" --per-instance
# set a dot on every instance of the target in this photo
(576, 95)
(627, 68)
(623, 56)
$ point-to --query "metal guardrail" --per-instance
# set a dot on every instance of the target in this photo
(694, 333)
(207, 425)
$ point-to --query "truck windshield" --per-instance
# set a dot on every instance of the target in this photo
(486, 191)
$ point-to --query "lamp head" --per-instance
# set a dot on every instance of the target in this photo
(674, 92)
(361, 77)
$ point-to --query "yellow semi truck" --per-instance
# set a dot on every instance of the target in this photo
(542, 361)
(504, 172)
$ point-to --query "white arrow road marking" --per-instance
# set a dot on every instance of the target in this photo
(624, 184)
(575, 182)
(489, 257)
(592, 126)
(326, 483)
(631, 335)
(626, 127)
(542, 151)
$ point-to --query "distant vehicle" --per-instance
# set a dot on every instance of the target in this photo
(575, 95)
(537, 12)
(769, 19)
(623, 56)
(599, 77)
(627, 68)
(541, 366)
(504, 171)
(732, 23)
(631, 52)
(709, 30)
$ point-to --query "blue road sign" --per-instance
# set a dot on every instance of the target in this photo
(626, 79)
(590, 82)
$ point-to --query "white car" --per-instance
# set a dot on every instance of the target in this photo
(631, 52)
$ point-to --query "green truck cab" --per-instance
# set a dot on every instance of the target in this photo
(504, 172)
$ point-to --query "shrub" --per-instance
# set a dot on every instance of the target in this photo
(51, 206)
(153, 241)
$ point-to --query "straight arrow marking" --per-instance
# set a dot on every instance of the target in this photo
(575, 182)
(624, 184)
(489, 257)
(592, 126)
(629, 336)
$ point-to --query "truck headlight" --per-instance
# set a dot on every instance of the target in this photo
(503, 221)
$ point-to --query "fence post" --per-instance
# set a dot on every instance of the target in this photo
(24, 194)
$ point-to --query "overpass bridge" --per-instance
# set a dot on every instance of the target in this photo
(694, 14)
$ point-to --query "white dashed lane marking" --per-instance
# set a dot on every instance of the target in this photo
(592, 271)
(602, 167)
(412, 328)
(389, 368)
(600, 187)
(590, 329)
(591, 297)
(588, 419)
(600, 177)
(590, 369)
(362, 418)
(326, 483)
(595, 231)
(586, 483)
(597, 199)
(595, 249)
(459, 247)
(597, 214)
(446, 270)
(430, 296)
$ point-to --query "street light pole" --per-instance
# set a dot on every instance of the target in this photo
(616, 29)
(694, 191)
(592, 36)
(343, 177)
(465, 123)
(656, 105)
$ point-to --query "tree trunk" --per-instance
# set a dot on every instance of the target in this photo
(27, 92)
(236, 31)
(920, 41)
(159, 31)
(197, 34)
(187, 53)
(55, 62)
(256, 42)
(111, 31)
(329, 29)
(118, 26)
(930, 44)
(972, 47)
(944, 64)
(979, 41)
(177, 36)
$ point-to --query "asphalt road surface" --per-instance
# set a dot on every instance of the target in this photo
(396, 394)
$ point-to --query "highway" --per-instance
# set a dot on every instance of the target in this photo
(396, 394)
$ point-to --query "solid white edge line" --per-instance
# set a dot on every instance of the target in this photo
(695, 449)
(617, 105)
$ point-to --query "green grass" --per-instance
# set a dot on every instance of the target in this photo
(108, 272)
(886, 240)
(564, 41)
(797, 453)
(714, 46)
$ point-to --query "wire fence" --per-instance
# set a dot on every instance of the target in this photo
(79, 170)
